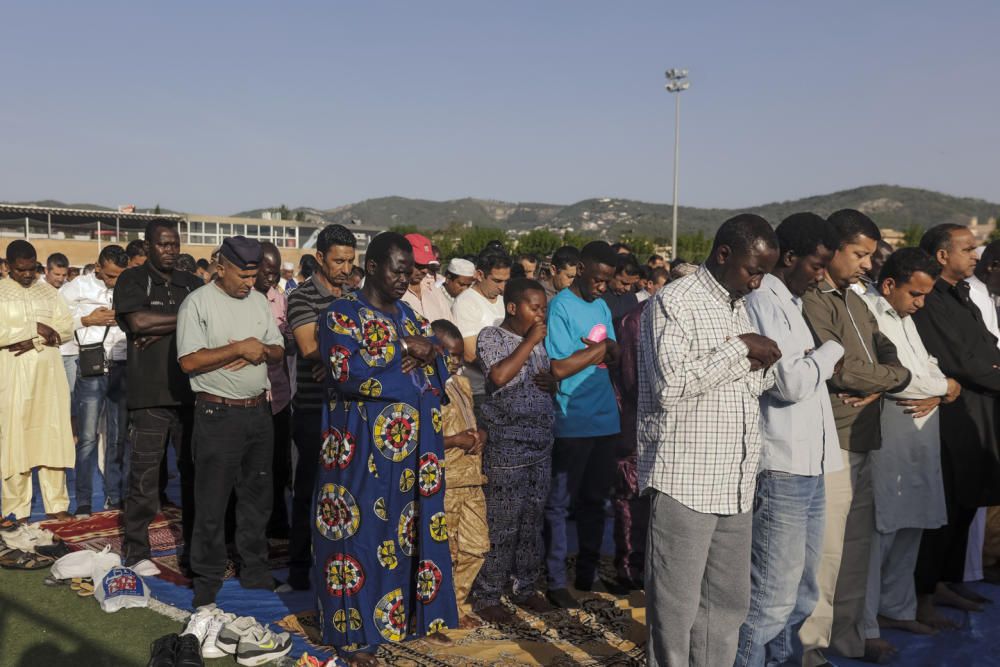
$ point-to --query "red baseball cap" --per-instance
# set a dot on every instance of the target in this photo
(423, 253)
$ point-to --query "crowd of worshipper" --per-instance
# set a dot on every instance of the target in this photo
(793, 442)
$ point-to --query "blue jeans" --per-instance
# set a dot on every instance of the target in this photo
(94, 395)
(788, 520)
(71, 364)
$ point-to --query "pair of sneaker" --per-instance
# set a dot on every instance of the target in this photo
(222, 634)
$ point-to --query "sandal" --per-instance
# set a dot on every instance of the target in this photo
(83, 587)
(21, 560)
(9, 523)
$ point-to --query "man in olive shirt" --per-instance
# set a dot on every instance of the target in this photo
(226, 336)
(870, 368)
(146, 300)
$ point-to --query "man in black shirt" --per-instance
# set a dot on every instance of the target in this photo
(306, 305)
(953, 331)
(620, 296)
(160, 402)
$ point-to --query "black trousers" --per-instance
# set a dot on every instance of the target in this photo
(151, 429)
(308, 441)
(942, 550)
(281, 471)
(232, 450)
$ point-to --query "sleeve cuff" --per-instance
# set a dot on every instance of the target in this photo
(827, 356)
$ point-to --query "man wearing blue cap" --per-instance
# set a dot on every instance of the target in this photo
(226, 335)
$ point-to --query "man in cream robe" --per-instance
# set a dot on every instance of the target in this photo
(35, 431)
(906, 472)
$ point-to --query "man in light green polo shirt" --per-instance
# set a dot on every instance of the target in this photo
(225, 337)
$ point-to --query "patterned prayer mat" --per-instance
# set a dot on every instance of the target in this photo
(165, 540)
(605, 631)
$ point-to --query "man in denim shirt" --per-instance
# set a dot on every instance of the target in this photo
(790, 499)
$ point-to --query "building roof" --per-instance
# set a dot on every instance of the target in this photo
(82, 213)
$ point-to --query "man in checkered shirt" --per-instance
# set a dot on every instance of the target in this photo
(702, 369)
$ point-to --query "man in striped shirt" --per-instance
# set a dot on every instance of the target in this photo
(306, 304)
(702, 369)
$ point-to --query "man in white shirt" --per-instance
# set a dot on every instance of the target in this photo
(800, 444)
(426, 299)
(98, 390)
(479, 307)
(906, 471)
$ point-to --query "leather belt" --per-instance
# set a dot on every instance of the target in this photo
(232, 402)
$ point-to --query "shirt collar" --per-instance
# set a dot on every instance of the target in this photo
(883, 307)
(713, 286)
(977, 285)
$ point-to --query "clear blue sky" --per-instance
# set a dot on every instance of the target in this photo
(216, 107)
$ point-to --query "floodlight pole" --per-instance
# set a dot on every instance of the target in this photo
(676, 85)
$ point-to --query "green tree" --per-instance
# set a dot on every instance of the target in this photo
(283, 212)
(156, 209)
(642, 247)
(541, 242)
(404, 229)
(694, 247)
(300, 216)
(995, 234)
(911, 236)
(576, 239)
(472, 240)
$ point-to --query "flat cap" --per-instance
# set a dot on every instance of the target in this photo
(243, 252)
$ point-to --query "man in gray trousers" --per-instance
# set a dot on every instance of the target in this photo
(702, 370)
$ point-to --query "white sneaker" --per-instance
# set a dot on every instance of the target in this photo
(199, 621)
(146, 568)
(231, 633)
(219, 619)
(262, 646)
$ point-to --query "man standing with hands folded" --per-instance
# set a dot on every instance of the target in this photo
(871, 367)
(702, 370)
(226, 336)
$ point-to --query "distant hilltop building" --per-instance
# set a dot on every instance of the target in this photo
(982, 232)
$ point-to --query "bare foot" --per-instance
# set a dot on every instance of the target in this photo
(537, 603)
(363, 660)
(469, 622)
(946, 597)
(878, 651)
(969, 594)
(496, 614)
(928, 614)
(438, 639)
(916, 627)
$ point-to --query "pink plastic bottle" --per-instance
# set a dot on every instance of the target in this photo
(598, 333)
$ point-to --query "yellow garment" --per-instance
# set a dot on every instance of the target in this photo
(17, 493)
(464, 501)
(35, 425)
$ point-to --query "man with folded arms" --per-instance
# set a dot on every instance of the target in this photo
(800, 446)
(35, 430)
(226, 336)
(871, 367)
(702, 369)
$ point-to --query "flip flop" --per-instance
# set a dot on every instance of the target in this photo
(83, 587)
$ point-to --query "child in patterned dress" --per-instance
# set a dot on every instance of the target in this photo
(464, 502)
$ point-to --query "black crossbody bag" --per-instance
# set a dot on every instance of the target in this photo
(92, 359)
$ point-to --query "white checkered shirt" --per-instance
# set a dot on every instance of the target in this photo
(699, 434)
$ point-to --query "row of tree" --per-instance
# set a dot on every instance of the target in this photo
(459, 240)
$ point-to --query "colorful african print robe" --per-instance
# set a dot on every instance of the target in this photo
(381, 563)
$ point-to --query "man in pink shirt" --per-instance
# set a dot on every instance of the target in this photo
(422, 295)
(280, 392)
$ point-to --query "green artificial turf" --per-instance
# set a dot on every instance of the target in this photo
(51, 625)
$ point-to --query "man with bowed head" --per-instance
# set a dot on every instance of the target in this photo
(702, 370)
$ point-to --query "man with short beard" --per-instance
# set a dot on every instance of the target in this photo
(952, 328)
(35, 432)
(307, 305)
